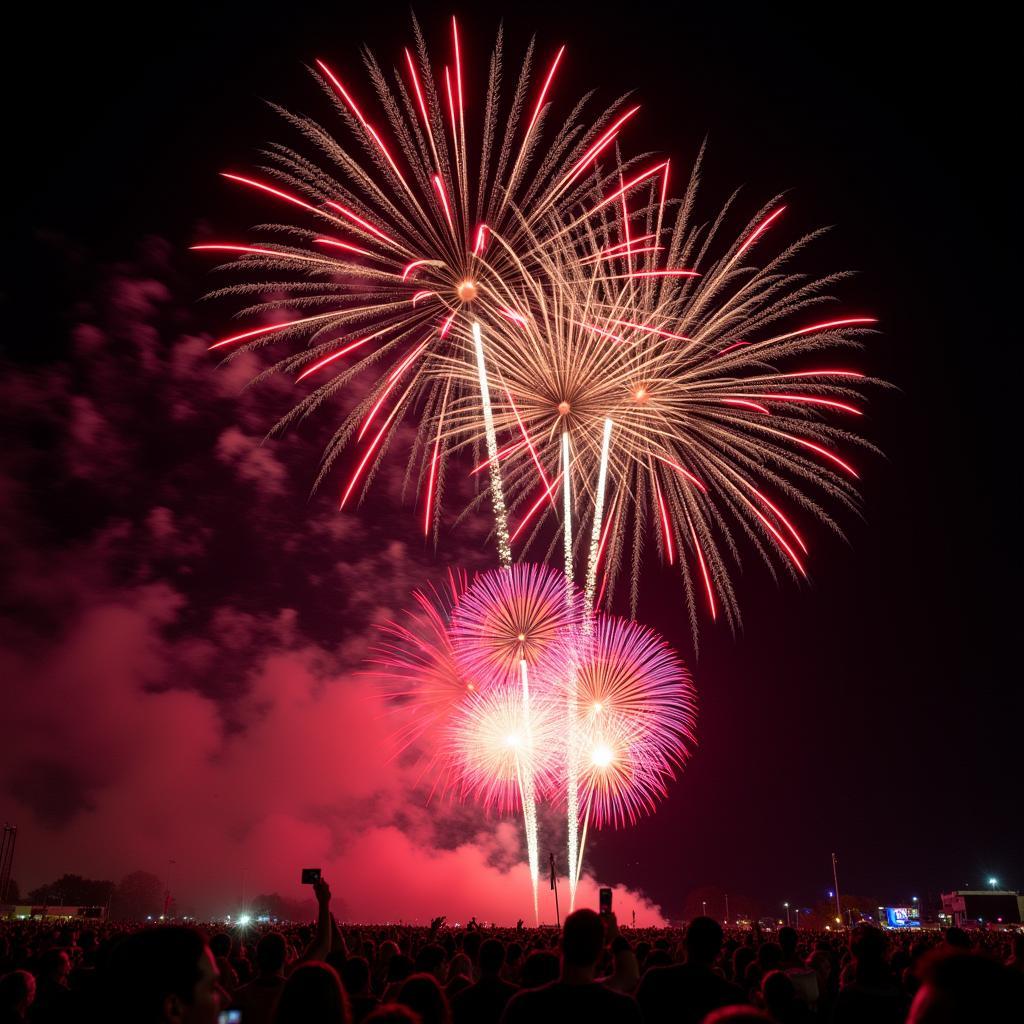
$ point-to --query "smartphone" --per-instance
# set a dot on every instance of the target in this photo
(229, 1017)
(605, 901)
(309, 876)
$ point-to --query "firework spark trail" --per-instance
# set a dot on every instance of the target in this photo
(575, 846)
(567, 513)
(497, 496)
(505, 556)
(595, 533)
(571, 759)
(529, 795)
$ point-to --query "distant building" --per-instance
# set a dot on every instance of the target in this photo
(37, 911)
(982, 907)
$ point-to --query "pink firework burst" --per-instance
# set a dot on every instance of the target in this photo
(499, 744)
(524, 613)
(635, 719)
(414, 662)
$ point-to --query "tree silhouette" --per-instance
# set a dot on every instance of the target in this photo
(139, 894)
(73, 891)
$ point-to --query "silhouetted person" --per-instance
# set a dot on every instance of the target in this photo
(17, 991)
(385, 953)
(257, 998)
(163, 975)
(625, 974)
(485, 1001)
(781, 1000)
(54, 1002)
(460, 975)
(869, 992)
(513, 969)
(684, 993)
(424, 995)
(575, 996)
(399, 968)
(961, 988)
(1016, 960)
(430, 960)
(220, 946)
(787, 944)
(540, 967)
(313, 995)
(355, 977)
(471, 947)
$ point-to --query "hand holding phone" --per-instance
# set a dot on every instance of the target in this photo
(604, 902)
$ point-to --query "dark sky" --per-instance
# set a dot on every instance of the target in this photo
(874, 711)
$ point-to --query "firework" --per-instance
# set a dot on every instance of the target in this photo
(635, 719)
(392, 249)
(490, 738)
(494, 467)
(510, 623)
(731, 410)
(502, 748)
(415, 666)
(512, 615)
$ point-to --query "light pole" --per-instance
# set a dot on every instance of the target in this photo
(786, 905)
(798, 919)
(167, 889)
(704, 908)
(727, 909)
(835, 879)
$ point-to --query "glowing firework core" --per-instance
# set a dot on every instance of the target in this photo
(466, 291)
(563, 408)
(602, 755)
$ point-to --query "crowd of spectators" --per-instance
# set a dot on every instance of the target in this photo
(591, 971)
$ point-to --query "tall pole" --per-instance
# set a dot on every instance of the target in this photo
(554, 885)
(167, 890)
(727, 909)
(10, 836)
(835, 880)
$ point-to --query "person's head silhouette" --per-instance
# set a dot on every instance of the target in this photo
(703, 940)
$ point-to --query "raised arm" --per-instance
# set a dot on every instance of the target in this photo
(320, 945)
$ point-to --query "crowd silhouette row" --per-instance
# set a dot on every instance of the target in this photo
(590, 972)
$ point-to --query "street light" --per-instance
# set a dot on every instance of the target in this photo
(786, 905)
(704, 908)
(993, 882)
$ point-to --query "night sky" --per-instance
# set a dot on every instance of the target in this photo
(183, 625)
